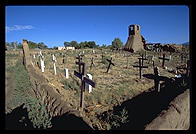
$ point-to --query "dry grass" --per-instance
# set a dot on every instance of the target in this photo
(111, 89)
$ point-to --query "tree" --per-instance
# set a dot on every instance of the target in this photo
(55, 47)
(41, 45)
(74, 44)
(116, 43)
(91, 44)
(66, 44)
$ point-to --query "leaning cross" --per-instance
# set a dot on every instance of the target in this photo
(110, 63)
(140, 67)
(163, 58)
(84, 80)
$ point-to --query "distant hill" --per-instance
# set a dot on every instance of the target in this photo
(186, 43)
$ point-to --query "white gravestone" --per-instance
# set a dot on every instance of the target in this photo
(93, 51)
(88, 87)
(54, 60)
(66, 73)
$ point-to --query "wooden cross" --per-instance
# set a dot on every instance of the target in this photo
(142, 58)
(79, 62)
(83, 81)
(102, 56)
(140, 67)
(110, 63)
(163, 58)
(92, 62)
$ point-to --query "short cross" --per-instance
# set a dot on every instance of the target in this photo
(110, 63)
(163, 58)
(92, 62)
(79, 62)
(140, 67)
(83, 81)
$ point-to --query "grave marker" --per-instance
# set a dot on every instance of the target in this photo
(140, 67)
(66, 73)
(110, 63)
(163, 60)
(84, 80)
(54, 61)
(187, 68)
(92, 62)
(89, 87)
(142, 58)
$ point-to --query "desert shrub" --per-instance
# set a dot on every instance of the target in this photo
(36, 111)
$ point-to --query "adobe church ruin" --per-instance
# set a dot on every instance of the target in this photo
(135, 40)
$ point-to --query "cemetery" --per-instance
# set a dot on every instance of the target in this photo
(99, 88)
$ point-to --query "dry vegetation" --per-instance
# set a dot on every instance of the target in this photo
(111, 89)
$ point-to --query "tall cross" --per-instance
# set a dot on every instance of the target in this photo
(83, 81)
(140, 67)
(163, 58)
(110, 63)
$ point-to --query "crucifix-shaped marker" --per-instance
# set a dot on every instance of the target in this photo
(102, 56)
(79, 62)
(92, 62)
(163, 60)
(110, 63)
(142, 58)
(140, 67)
(83, 81)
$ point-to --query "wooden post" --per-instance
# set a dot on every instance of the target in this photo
(156, 79)
(92, 62)
(26, 56)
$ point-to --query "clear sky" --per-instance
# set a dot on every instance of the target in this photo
(54, 25)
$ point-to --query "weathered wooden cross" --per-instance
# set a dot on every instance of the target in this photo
(84, 80)
(140, 67)
(79, 62)
(92, 62)
(110, 63)
(163, 60)
(142, 58)
(102, 56)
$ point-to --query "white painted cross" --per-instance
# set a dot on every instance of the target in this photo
(54, 60)
(42, 65)
(66, 73)
(88, 87)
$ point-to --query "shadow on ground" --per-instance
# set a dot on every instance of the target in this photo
(145, 107)
(18, 120)
(69, 122)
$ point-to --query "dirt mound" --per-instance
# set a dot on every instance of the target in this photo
(177, 117)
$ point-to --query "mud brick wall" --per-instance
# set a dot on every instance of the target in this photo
(177, 117)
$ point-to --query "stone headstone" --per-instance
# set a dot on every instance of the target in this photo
(88, 87)
(66, 73)
(26, 55)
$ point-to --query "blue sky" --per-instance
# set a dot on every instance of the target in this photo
(54, 25)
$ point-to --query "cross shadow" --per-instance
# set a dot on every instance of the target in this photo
(145, 107)
(69, 122)
(13, 120)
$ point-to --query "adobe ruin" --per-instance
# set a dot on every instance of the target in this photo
(135, 40)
